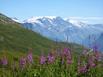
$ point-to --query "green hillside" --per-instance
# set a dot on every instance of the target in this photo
(14, 37)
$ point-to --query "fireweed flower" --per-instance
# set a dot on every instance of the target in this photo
(22, 62)
(91, 61)
(30, 57)
(69, 57)
(66, 55)
(42, 59)
(51, 58)
(82, 69)
(4, 61)
(66, 51)
(69, 60)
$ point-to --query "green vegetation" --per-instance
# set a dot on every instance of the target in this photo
(64, 63)
(14, 37)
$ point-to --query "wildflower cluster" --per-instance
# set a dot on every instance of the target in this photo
(60, 63)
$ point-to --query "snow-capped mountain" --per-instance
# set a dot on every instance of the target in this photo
(34, 19)
(59, 29)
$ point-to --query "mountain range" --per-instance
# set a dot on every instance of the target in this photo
(66, 30)
(15, 38)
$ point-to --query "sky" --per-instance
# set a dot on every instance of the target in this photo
(75, 9)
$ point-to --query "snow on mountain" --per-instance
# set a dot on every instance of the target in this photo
(34, 19)
(57, 28)
(15, 19)
(77, 23)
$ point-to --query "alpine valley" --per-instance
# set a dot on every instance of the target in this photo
(66, 30)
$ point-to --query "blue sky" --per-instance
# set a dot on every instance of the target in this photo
(23, 9)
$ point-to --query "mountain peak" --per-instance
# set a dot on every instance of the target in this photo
(35, 18)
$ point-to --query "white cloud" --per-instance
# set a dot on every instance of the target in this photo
(88, 19)
(93, 18)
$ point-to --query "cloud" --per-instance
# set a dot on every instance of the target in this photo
(88, 19)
